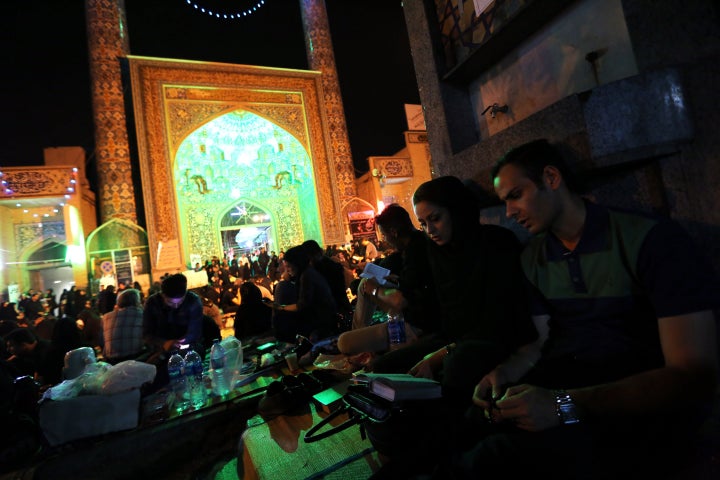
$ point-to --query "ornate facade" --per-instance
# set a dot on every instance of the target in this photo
(216, 139)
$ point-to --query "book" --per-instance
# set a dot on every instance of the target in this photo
(377, 272)
(399, 386)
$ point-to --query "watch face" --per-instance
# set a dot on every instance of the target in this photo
(566, 410)
(568, 414)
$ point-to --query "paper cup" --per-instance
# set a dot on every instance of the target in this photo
(292, 361)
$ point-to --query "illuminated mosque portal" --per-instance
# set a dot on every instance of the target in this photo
(242, 182)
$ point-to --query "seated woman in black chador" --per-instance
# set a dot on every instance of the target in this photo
(483, 304)
(285, 324)
(252, 317)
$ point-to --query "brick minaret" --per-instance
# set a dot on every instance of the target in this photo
(321, 57)
(107, 44)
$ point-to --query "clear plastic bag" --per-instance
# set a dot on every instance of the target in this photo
(339, 362)
(127, 375)
(63, 390)
(93, 377)
(101, 378)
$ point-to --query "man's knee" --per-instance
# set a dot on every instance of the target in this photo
(344, 344)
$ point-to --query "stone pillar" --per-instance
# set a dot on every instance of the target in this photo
(107, 44)
(321, 58)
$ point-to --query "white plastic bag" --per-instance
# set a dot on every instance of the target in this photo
(93, 377)
(127, 375)
(63, 390)
(89, 382)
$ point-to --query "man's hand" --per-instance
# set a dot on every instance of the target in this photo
(490, 388)
(369, 286)
(528, 407)
(429, 365)
(168, 345)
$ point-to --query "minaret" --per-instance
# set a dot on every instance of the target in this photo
(321, 57)
(107, 44)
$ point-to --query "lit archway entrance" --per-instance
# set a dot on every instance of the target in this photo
(48, 267)
(243, 182)
(245, 228)
(211, 135)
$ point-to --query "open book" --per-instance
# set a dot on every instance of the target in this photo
(399, 386)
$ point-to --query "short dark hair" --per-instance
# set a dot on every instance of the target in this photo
(533, 157)
(395, 216)
(129, 297)
(174, 286)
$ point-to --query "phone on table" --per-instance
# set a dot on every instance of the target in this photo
(266, 347)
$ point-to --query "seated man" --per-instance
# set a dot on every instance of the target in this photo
(123, 328)
(629, 368)
(33, 356)
(171, 318)
(414, 294)
(333, 273)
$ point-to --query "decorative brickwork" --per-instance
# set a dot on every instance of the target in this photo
(321, 57)
(176, 101)
(107, 43)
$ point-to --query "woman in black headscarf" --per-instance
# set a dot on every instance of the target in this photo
(315, 302)
(252, 317)
(483, 302)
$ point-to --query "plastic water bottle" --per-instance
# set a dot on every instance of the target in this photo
(396, 330)
(178, 382)
(194, 375)
(217, 366)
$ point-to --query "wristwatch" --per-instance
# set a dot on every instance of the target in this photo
(565, 407)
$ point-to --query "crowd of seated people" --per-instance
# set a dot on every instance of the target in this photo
(546, 350)
(589, 352)
(264, 296)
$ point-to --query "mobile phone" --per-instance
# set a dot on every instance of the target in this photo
(265, 347)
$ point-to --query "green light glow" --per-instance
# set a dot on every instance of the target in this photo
(243, 162)
(76, 245)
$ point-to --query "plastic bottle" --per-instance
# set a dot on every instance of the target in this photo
(217, 367)
(233, 359)
(396, 330)
(194, 375)
(178, 382)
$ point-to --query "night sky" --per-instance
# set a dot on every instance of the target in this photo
(46, 89)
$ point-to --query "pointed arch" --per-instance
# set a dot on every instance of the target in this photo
(122, 245)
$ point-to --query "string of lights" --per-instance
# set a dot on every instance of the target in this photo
(221, 10)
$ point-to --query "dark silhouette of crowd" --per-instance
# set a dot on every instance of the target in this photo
(580, 353)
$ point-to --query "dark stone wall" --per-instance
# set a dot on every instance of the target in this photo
(649, 141)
